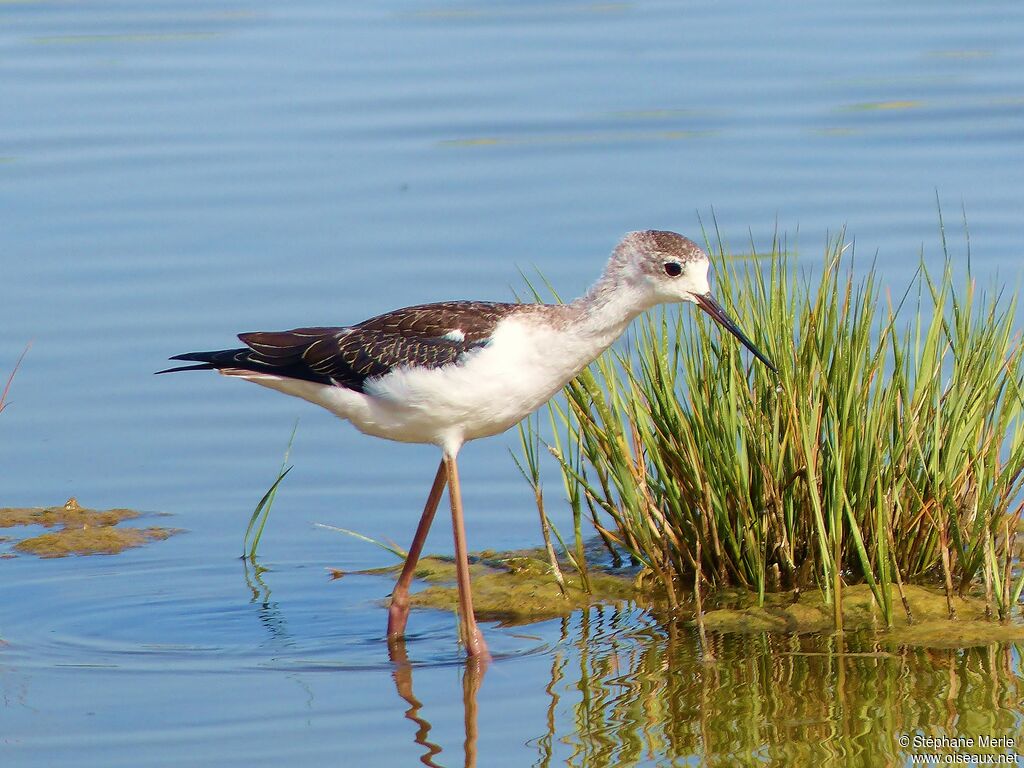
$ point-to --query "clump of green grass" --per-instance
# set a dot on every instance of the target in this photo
(890, 447)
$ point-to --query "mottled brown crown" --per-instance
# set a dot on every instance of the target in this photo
(664, 242)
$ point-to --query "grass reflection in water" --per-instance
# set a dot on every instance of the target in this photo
(624, 690)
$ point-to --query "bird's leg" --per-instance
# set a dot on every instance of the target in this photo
(471, 679)
(471, 635)
(398, 611)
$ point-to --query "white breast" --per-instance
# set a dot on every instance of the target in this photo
(489, 390)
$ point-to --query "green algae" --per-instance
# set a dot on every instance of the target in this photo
(103, 540)
(808, 613)
(515, 588)
(79, 531)
(519, 588)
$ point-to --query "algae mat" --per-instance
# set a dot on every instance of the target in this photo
(76, 530)
(511, 587)
(518, 588)
(929, 626)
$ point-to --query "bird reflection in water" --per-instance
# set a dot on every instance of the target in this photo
(472, 676)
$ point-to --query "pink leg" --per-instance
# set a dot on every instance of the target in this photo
(471, 635)
(398, 612)
(474, 675)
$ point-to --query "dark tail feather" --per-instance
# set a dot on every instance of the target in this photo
(206, 361)
(199, 367)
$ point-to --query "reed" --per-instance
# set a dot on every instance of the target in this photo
(10, 379)
(890, 447)
(261, 513)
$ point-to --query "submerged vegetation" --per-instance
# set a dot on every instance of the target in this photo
(516, 588)
(888, 450)
(77, 530)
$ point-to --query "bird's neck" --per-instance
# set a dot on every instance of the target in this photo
(602, 314)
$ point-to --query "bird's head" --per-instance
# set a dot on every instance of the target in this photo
(674, 269)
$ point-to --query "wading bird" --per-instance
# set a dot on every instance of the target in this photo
(456, 371)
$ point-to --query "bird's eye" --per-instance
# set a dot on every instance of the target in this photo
(673, 268)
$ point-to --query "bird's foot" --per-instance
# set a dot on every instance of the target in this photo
(398, 616)
(476, 646)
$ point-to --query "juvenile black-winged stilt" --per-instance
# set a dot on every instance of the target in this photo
(455, 371)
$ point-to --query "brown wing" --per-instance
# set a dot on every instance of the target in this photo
(474, 319)
(429, 335)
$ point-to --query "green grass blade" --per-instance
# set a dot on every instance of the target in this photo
(260, 515)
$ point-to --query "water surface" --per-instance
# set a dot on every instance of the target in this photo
(173, 173)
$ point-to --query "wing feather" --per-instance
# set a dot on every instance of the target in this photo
(427, 335)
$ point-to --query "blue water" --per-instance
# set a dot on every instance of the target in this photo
(172, 173)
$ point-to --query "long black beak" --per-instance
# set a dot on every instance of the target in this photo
(708, 304)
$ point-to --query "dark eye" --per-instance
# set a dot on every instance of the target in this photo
(673, 269)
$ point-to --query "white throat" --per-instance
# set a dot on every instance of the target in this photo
(611, 304)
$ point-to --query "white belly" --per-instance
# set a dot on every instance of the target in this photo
(522, 367)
